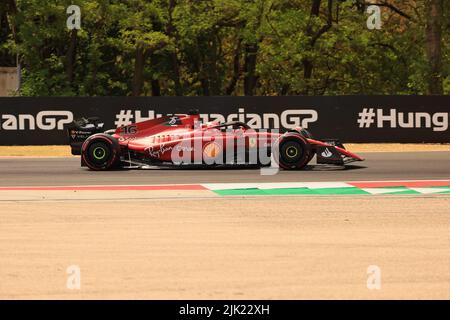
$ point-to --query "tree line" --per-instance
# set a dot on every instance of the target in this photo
(227, 47)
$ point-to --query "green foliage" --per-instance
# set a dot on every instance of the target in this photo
(206, 47)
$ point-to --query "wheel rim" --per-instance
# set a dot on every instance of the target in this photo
(99, 153)
(291, 152)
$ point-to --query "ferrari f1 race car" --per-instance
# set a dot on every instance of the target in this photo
(182, 140)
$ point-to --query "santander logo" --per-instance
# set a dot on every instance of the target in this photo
(327, 153)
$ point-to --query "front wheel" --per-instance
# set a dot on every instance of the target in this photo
(292, 151)
(101, 152)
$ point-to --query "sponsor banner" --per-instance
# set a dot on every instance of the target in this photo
(42, 121)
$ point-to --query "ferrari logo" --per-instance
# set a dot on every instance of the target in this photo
(252, 142)
(211, 150)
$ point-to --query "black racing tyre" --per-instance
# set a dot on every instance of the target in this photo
(307, 134)
(292, 151)
(101, 152)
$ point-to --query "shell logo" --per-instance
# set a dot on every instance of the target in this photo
(211, 150)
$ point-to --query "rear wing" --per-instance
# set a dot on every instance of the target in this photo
(80, 129)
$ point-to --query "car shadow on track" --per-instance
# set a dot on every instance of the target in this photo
(332, 168)
(320, 167)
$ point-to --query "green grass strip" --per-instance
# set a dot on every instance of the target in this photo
(442, 192)
(318, 191)
(290, 191)
(404, 192)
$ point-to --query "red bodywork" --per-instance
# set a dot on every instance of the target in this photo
(157, 139)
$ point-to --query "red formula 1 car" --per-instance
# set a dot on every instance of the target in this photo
(183, 140)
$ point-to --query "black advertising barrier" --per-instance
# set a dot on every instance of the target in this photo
(42, 121)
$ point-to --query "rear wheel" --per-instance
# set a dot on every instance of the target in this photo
(101, 152)
(292, 151)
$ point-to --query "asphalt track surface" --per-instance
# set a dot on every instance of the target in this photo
(382, 166)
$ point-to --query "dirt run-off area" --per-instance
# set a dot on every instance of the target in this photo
(227, 248)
